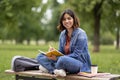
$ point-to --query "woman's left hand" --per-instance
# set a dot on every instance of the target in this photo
(52, 57)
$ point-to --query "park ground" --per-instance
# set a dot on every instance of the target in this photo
(108, 59)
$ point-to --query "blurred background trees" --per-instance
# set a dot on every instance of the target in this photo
(100, 15)
(37, 19)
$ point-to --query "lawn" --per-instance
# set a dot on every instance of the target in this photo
(108, 59)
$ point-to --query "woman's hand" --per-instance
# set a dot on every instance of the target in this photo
(51, 48)
(52, 57)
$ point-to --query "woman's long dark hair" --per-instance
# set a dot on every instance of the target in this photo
(72, 14)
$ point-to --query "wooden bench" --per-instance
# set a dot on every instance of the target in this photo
(37, 75)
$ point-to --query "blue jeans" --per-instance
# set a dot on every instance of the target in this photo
(69, 64)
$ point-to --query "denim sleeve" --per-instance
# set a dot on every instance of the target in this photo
(80, 47)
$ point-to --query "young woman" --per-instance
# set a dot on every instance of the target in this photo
(73, 44)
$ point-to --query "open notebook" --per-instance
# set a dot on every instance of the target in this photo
(53, 52)
(89, 75)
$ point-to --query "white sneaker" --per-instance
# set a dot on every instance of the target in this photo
(60, 72)
(43, 69)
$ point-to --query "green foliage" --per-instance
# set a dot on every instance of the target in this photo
(107, 39)
(19, 21)
(51, 32)
(108, 18)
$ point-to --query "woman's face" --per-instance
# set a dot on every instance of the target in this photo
(67, 21)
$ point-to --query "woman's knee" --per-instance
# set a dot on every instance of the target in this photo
(62, 59)
(40, 57)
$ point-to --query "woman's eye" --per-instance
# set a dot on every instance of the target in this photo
(69, 18)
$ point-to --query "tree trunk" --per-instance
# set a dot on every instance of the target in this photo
(28, 41)
(37, 40)
(96, 42)
(97, 17)
(117, 38)
(18, 41)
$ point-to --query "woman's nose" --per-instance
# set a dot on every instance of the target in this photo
(66, 20)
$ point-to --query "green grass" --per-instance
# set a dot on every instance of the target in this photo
(108, 59)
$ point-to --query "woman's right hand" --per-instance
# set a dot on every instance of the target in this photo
(51, 48)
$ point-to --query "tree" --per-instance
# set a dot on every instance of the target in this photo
(55, 7)
(21, 19)
(51, 26)
(112, 17)
(92, 9)
(116, 12)
(97, 17)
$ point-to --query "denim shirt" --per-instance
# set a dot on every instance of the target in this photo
(78, 47)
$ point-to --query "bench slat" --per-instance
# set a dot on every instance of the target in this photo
(37, 73)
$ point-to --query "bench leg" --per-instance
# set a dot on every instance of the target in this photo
(18, 77)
